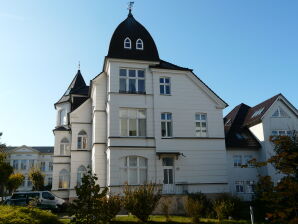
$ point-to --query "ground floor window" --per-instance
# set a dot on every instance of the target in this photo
(134, 171)
(81, 172)
(245, 186)
(63, 179)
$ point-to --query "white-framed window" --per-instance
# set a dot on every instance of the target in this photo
(132, 122)
(201, 124)
(258, 112)
(50, 166)
(43, 166)
(127, 43)
(81, 172)
(132, 80)
(250, 187)
(166, 125)
(165, 86)
(139, 44)
(63, 179)
(247, 158)
(23, 164)
(134, 171)
(82, 140)
(237, 160)
(280, 113)
(15, 164)
(64, 147)
(31, 163)
(281, 133)
(239, 186)
(63, 117)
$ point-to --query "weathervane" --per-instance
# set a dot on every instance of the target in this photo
(130, 5)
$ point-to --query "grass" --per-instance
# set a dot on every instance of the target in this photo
(155, 219)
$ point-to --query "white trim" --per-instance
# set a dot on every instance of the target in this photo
(140, 48)
(125, 42)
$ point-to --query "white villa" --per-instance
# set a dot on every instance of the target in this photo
(142, 119)
(23, 158)
(248, 131)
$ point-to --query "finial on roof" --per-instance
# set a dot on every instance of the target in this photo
(79, 66)
(130, 5)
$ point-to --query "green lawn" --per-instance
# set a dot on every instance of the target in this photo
(126, 219)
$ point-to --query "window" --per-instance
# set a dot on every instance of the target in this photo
(82, 140)
(247, 158)
(47, 195)
(281, 133)
(64, 147)
(228, 122)
(201, 125)
(258, 112)
(132, 81)
(166, 125)
(134, 171)
(31, 163)
(127, 43)
(50, 166)
(250, 187)
(62, 117)
(81, 171)
(132, 122)
(15, 164)
(239, 185)
(164, 86)
(237, 160)
(50, 181)
(43, 166)
(139, 44)
(167, 161)
(280, 113)
(23, 164)
(63, 179)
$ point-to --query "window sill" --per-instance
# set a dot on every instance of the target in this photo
(166, 94)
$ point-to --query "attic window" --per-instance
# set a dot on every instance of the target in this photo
(258, 112)
(139, 44)
(228, 123)
(280, 113)
(127, 43)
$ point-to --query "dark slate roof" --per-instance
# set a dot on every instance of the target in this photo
(61, 128)
(41, 149)
(237, 135)
(167, 65)
(134, 30)
(264, 106)
(77, 86)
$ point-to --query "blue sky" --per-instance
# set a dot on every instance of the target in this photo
(246, 51)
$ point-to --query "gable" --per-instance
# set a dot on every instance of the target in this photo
(23, 149)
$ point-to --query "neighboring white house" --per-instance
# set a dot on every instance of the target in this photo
(248, 131)
(141, 120)
(23, 158)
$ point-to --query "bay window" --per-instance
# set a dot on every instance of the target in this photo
(132, 81)
(132, 122)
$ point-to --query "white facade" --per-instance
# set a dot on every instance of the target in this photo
(23, 158)
(281, 118)
(191, 163)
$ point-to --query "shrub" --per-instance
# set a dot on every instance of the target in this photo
(224, 206)
(14, 181)
(197, 206)
(141, 201)
(109, 208)
(25, 215)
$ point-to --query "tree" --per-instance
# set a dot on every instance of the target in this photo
(14, 181)
(37, 178)
(5, 168)
(141, 200)
(279, 202)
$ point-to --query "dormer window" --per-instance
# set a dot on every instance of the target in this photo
(127, 43)
(139, 44)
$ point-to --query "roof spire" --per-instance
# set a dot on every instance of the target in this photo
(79, 66)
(130, 5)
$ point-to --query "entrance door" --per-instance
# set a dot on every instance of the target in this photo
(168, 175)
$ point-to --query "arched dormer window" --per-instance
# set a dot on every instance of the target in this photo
(64, 147)
(127, 43)
(81, 171)
(139, 44)
(82, 140)
(63, 179)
